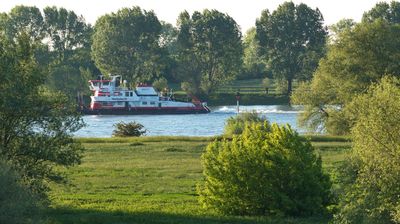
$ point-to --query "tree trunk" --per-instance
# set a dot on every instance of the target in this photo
(289, 86)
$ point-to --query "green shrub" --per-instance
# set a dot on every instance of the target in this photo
(235, 125)
(17, 203)
(123, 129)
(372, 186)
(160, 84)
(268, 170)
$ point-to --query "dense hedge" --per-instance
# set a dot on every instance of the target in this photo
(268, 170)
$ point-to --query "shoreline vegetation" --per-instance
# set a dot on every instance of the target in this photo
(345, 76)
(153, 180)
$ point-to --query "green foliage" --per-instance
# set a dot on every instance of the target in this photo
(127, 43)
(254, 65)
(123, 129)
(24, 20)
(265, 171)
(359, 57)
(292, 38)
(189, 88)
(120, 183)
(62, 45)
(17, 203)
(235, 125)
(160, 84)
(266, 82)
(35, 123)
(384, 11)
(344, 25)
(371, 193)
(65, 30)
(209, 49)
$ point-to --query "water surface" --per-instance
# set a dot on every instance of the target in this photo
(186, 125)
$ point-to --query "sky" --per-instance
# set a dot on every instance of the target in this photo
(244, 12)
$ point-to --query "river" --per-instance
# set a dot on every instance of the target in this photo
(187, 125)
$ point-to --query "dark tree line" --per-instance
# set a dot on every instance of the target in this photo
(62, 42)
(203, 51)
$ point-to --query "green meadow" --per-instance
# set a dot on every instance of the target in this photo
(153, 180)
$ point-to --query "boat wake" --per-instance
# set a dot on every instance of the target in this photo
(258, 109)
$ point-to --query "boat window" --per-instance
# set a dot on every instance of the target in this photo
(106, 83)
(126, 93)
(153, 103)
(131, 93)
(144, 103)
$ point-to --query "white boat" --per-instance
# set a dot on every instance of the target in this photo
(113, 97)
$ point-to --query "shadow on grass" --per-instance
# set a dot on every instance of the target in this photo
(86, 216)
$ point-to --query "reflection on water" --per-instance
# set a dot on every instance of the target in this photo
(187, 125)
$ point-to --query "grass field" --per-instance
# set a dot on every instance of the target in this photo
(152, 180)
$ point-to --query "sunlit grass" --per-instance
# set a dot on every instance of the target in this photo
(151, 180)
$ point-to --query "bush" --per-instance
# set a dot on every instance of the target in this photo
(17, 203)
(372, 186)
(268, 170)
(235, 125)
(128, 129)
(160, 84)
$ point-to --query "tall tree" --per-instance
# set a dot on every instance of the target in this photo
(254, 63)
(35, 124)
(168, 44)
(127, 43)
(358, 58)
(382, 10)
(293, 37)
(68, 53)
(209, 49)
(337, 29)
(27, 20)
(372, 186)
(65, 30)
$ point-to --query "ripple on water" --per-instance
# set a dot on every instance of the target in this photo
(189, 124)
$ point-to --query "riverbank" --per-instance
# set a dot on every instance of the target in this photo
(221, 99)
(153, 180)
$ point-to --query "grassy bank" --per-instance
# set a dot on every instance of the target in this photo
(252, 92)
(152, 180)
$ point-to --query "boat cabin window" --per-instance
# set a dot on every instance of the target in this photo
(153, 103)
(126, 93)
(144, 103)
(106, 83)
(131, 93)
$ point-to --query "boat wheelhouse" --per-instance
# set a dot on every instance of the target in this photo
(113, 97)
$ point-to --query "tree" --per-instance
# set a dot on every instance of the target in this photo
(235, 125)
(358, 58)
(372, 194)
(268, 170)
(128, 43)
(25, 20)
(293, 40)
(68, 52)
(254, 65)
(168, 44)
(18, 204)
(209, 49)
(384, 11)
(35, 124)
(65, 30)
(344, 25)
